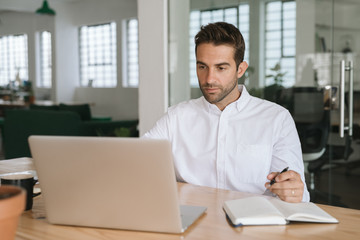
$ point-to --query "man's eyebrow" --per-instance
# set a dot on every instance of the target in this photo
(200, 62)
(218, 64)
(223, 63)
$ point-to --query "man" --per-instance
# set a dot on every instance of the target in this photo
(227, 138)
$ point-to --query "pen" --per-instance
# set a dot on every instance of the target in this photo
(273, 180)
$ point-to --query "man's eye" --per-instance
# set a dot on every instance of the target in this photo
(201, 67)
(221, 68)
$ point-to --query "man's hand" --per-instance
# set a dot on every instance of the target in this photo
(288, 186)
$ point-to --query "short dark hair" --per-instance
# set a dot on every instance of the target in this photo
(220, 33)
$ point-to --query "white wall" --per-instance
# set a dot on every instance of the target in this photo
(21, 5)
(315, 17)
(119, 102)
(305, 42)
(153, 59)
(179, 72)
(65, 58)
(29, 24)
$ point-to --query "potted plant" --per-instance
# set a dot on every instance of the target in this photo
(12, 204)
(271, 91)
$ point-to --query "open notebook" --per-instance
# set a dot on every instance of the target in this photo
(273, 211)
(123, 183)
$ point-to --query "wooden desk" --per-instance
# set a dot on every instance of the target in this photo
(212, 225)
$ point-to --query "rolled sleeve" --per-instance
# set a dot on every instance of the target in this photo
(287, 151)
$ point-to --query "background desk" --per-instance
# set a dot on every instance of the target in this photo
(212, 225)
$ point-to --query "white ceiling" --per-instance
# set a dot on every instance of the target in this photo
(28, 5)
(49, 1)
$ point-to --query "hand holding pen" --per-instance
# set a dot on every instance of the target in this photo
(289, 186)
(273, 180)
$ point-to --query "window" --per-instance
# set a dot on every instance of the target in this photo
(13, 58)
(45, 60)
(238, 16)
(130, 54)
(98, 55)
(280, 39)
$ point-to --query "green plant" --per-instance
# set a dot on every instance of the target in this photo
(122, 132)
(117, 132)
(249, 71)
(277, 75)
(256, 92)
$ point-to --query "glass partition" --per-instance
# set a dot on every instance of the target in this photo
(294, 50)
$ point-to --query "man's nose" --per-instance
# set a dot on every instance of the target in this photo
(210, 76)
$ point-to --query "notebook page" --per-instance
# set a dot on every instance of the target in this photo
(305, 211)
(253, 211)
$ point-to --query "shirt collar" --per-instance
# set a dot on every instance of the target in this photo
(243, 99)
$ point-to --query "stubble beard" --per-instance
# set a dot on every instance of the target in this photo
(215, 98)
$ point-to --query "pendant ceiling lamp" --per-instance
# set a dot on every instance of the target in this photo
(45, 9)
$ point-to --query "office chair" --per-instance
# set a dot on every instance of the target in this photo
(311, 112)
(355, 138)
(339, 154)
(310, 109)
(312, 121)
(335, 156)
(313, 125)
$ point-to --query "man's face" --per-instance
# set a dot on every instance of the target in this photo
(217, 73)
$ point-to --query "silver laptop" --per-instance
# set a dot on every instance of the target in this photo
(122, 183)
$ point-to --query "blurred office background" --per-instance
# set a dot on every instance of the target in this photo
(132, 59)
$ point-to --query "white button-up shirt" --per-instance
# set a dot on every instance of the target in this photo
(231, 149)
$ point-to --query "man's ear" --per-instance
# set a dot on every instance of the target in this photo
(242, 68)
